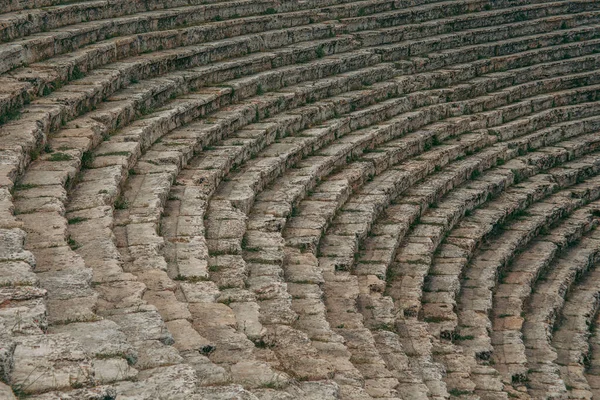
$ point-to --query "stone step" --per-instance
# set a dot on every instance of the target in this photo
(97, 14)
(82, 61)
(334, 246)
(357, 225)
(570, 340)
(114, 350)
(250, 244)
(525, 165)
(468, 54)
(198, 326)
(145, 243)
(470, 339)
(126, 298)
(95, 132)
(119, 16)
(81, 219)
(420, 13)
(119, 112)
(210, 205)
(140, 98)
(243, 185)
(516, 286)
(12, 5)
(129, 60)
(369, 29)
(58, 117)
(591, 372)
(378, 249)
(97, 56)
(401, 223)
(77, 64)
(543, 310)
(460, 45)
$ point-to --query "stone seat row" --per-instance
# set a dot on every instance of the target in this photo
(83, 123)
(534, 161)
(151, 185)
(409, 326)
(563, 131)
(43, 77)
(76, 312)
(140, 214)
(116, 18)
(94, 129)
(12, 5)
(544, 305)
(85, 250)
(137, 34)
(250, 245)
(61, 111)
(176, 200)
(387, 109)
(57, 113)
(66, 69)
(474, 299)
(591, 372)
(99, 14)
(337, 246)
(369, 29)
(375, 256)
(510, 304)
(503, 35)
(52, 111)
(50, 172)
(222, 240)
(376, 260)
(439, 316)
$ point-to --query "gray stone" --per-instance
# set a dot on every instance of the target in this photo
(50, 362)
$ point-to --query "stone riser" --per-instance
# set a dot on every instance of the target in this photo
(90, 102)
(219, 188)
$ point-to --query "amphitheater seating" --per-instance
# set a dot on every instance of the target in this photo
(324, 199)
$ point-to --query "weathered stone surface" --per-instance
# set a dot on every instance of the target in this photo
(143, 326)
(173, 382)
(99, 339)
(96, 393)
(6, 392)
(50, 362)
(223, 393)
(12, 246)
(298, 200)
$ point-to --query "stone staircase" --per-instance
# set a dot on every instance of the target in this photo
(318, 199)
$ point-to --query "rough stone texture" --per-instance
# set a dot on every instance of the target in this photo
(324, 199)
(44, 362)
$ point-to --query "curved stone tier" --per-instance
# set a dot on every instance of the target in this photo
(316, 200)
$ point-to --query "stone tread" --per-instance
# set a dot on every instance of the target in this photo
(250, 244)
(59, 111)
(526, 269)
(567, 276)
(194, 216)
